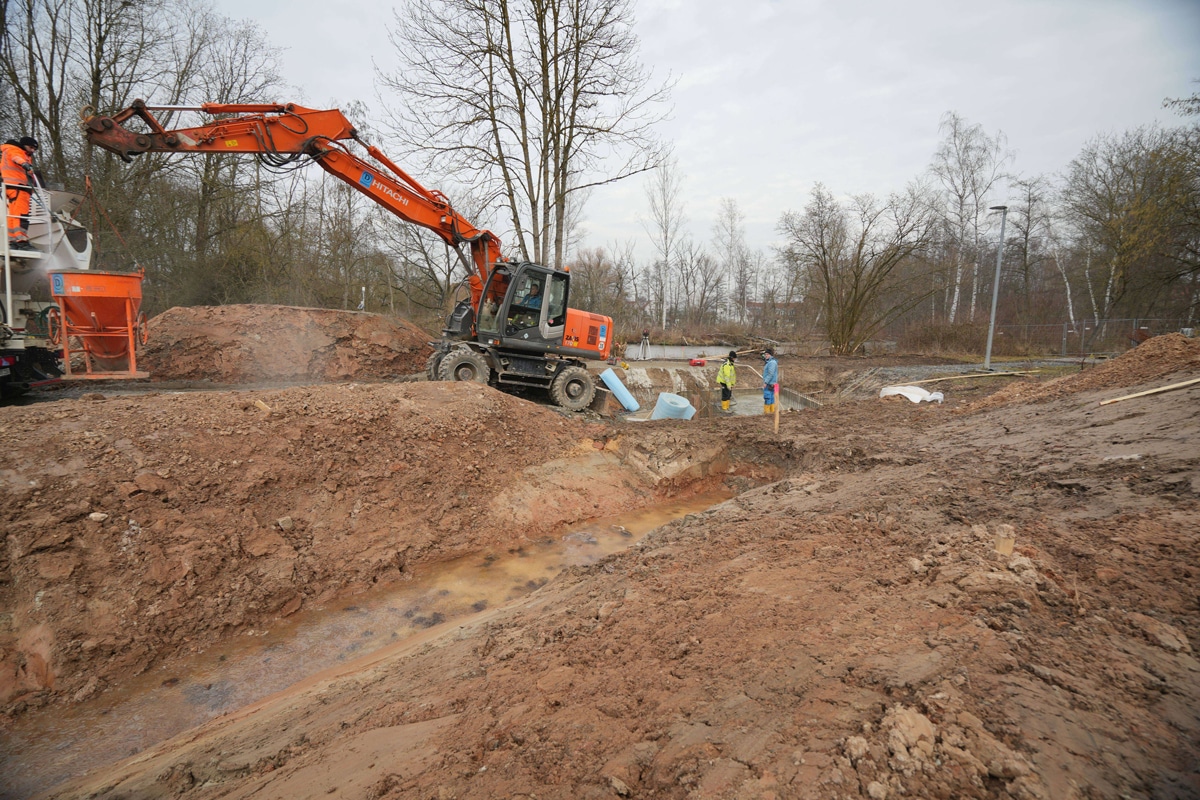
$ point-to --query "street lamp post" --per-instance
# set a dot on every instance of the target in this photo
(987, 358)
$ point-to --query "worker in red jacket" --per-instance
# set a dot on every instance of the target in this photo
(16, 170)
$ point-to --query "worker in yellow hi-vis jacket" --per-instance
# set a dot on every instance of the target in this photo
(727, 379)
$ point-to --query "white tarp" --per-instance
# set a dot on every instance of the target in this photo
(914, 393)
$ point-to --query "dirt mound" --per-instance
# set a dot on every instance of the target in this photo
(262, 343)
(1152, 360)
(136, 527)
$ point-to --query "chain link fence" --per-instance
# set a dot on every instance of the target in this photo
(1084, 338)
(1064, 339)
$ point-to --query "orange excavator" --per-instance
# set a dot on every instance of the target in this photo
(513, 331)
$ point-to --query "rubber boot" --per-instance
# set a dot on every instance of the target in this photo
(766, 409)
(725, 406)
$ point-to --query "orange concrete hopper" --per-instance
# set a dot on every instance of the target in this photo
(102, 311)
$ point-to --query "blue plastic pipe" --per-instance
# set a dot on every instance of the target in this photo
(672, 406)
(616, 387)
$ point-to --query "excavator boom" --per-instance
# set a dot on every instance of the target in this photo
(282, 132)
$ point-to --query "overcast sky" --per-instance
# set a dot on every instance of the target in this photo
(774, 96)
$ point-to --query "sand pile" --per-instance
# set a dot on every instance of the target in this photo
(263, 343)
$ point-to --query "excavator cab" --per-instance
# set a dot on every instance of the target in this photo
(523, 307)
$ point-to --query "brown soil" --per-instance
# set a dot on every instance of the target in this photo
(261, 343)
(843, 627)
(1156, 358)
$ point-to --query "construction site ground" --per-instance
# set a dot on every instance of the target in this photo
(990, 597)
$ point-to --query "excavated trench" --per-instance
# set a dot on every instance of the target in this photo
(42, 750)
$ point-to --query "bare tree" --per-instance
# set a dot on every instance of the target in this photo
(233, 63)
(541, 99)
(1030, 220)
(1185, 106)
(967, 164)
(1126, 196)
(217, 214)
(1186, 250)
(729, 241)
(35, 51)
(701, 281)
(601, 279)
(1059, 250)
(118, 54)
(853, 256)
(664, 190)
(9, 117)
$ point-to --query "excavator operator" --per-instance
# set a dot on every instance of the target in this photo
(534, 298)
(526, 312)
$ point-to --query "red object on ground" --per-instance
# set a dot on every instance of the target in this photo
(696, 362)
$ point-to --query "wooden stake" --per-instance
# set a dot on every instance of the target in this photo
(1159, 390)
(775, 405)
(976, 375)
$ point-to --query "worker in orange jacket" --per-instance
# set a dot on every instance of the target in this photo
(16, 169)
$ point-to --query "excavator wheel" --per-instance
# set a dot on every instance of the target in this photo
(573, 389)
(433, 365)
(464, 365)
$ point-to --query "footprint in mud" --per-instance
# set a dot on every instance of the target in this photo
(213, 696)
(169, 682)
(523, 589)
(580, 537)
(479, 605)
(436, 618)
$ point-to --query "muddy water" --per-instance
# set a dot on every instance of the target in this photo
(746, 403)
(54, 745)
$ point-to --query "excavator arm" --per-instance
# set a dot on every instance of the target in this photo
(282, 133)
(515, 342)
